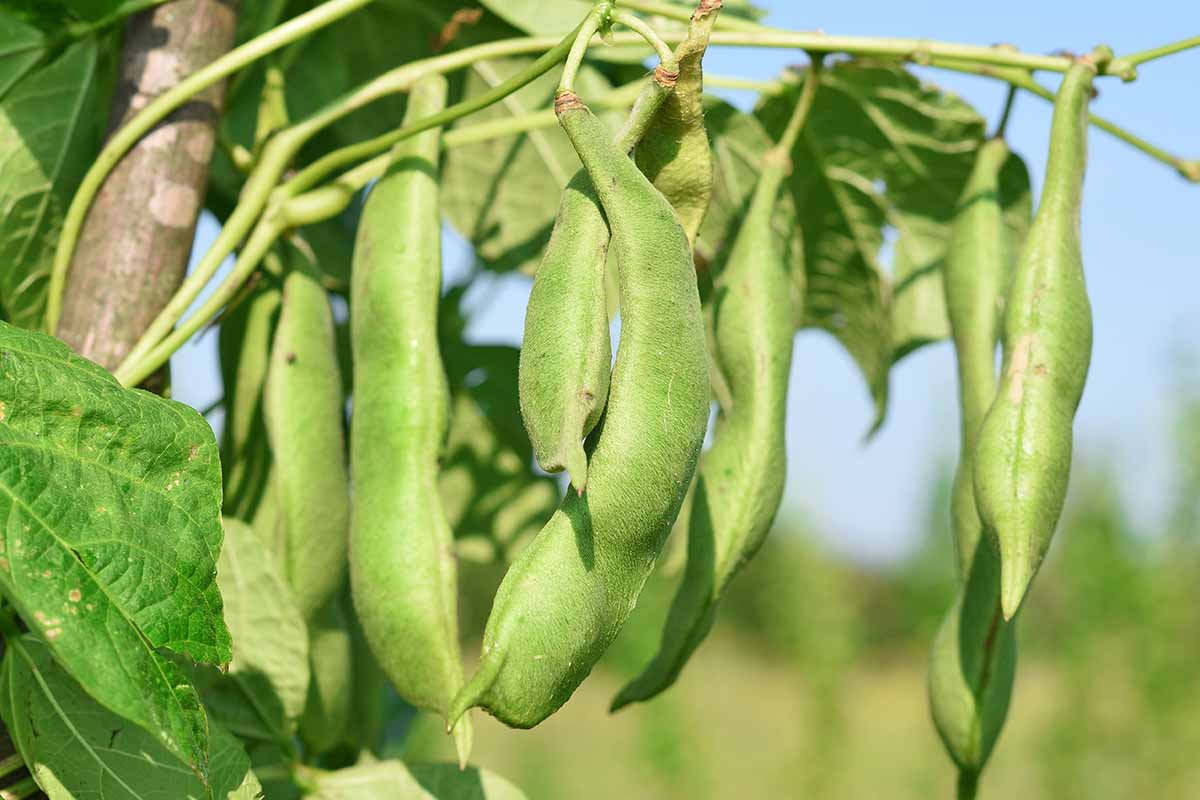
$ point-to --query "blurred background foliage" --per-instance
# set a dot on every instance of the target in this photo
(812, 682)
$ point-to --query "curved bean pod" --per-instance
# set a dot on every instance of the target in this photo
(1023, 459)
(740, 480)
(565, 598)
(566, 353)
(305, 424)
(403, 570)
(976, 269)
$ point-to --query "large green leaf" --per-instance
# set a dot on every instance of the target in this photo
(76, 749)
(270, 640)
(21, 47)
(49, 130)
(879, 150)
(396, 781)
(502, 195)
(110, 501)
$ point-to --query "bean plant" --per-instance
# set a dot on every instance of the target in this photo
(183, 618)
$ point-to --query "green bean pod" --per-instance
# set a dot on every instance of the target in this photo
(566, 353)
(740, 479)
(1023, 459)
(566, 596)
(974, 276)
(305, 424)
(972, 667)
(675, 154)
(327, 713)
(245, 350)
(403, 570)
(973, 659)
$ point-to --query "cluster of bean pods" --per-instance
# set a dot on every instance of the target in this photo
(1016, 439)
(629, 432)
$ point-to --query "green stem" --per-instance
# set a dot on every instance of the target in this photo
(1009, 101)
(968, 785)
(787, 141)
(675, 12)
(11, 764)
(666, 56)
(1023, 80)
(313, 174)
(133, 371)
(1129, 63)
(281, 149)
(326, 202)
(580, 44)
(743, 84)
(919, 51)
(20, 790)
(523, 123)
(128, 135)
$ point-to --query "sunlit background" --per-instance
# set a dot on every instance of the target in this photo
(812, 683)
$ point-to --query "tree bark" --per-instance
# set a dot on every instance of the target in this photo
(134, 247)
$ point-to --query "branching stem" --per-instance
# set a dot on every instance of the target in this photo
(128, 135)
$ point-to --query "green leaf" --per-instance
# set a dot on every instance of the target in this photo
(395, 781)
(502, 195)
(270, 640)
(49, 130)
(879, 149)
(77, 749)
(110, 501)
(493, 500)
(448, 782)
(21, 47)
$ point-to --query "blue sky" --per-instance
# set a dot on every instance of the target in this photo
(1141, 241)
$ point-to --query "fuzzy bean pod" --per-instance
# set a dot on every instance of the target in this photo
(974, 276)
(973, 659)
(675, 154)
(566, 596)
(1023, 459)
(403, 569)
(972, 667)
(305, 424)
(740, 479)
(566, 353)
(245, 349)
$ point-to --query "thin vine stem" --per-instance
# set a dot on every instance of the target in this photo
(620, 97)
(1024, 80)
(20, 790)
(739, 32)
(134, 371)
(596, 18)
(773, 87)
(129, 134)
(282, 148)
(968, 785)
(1129, 63)
(1009, 101)
(808, 94)
(313, 174)
(11, 764)
(666, 56)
